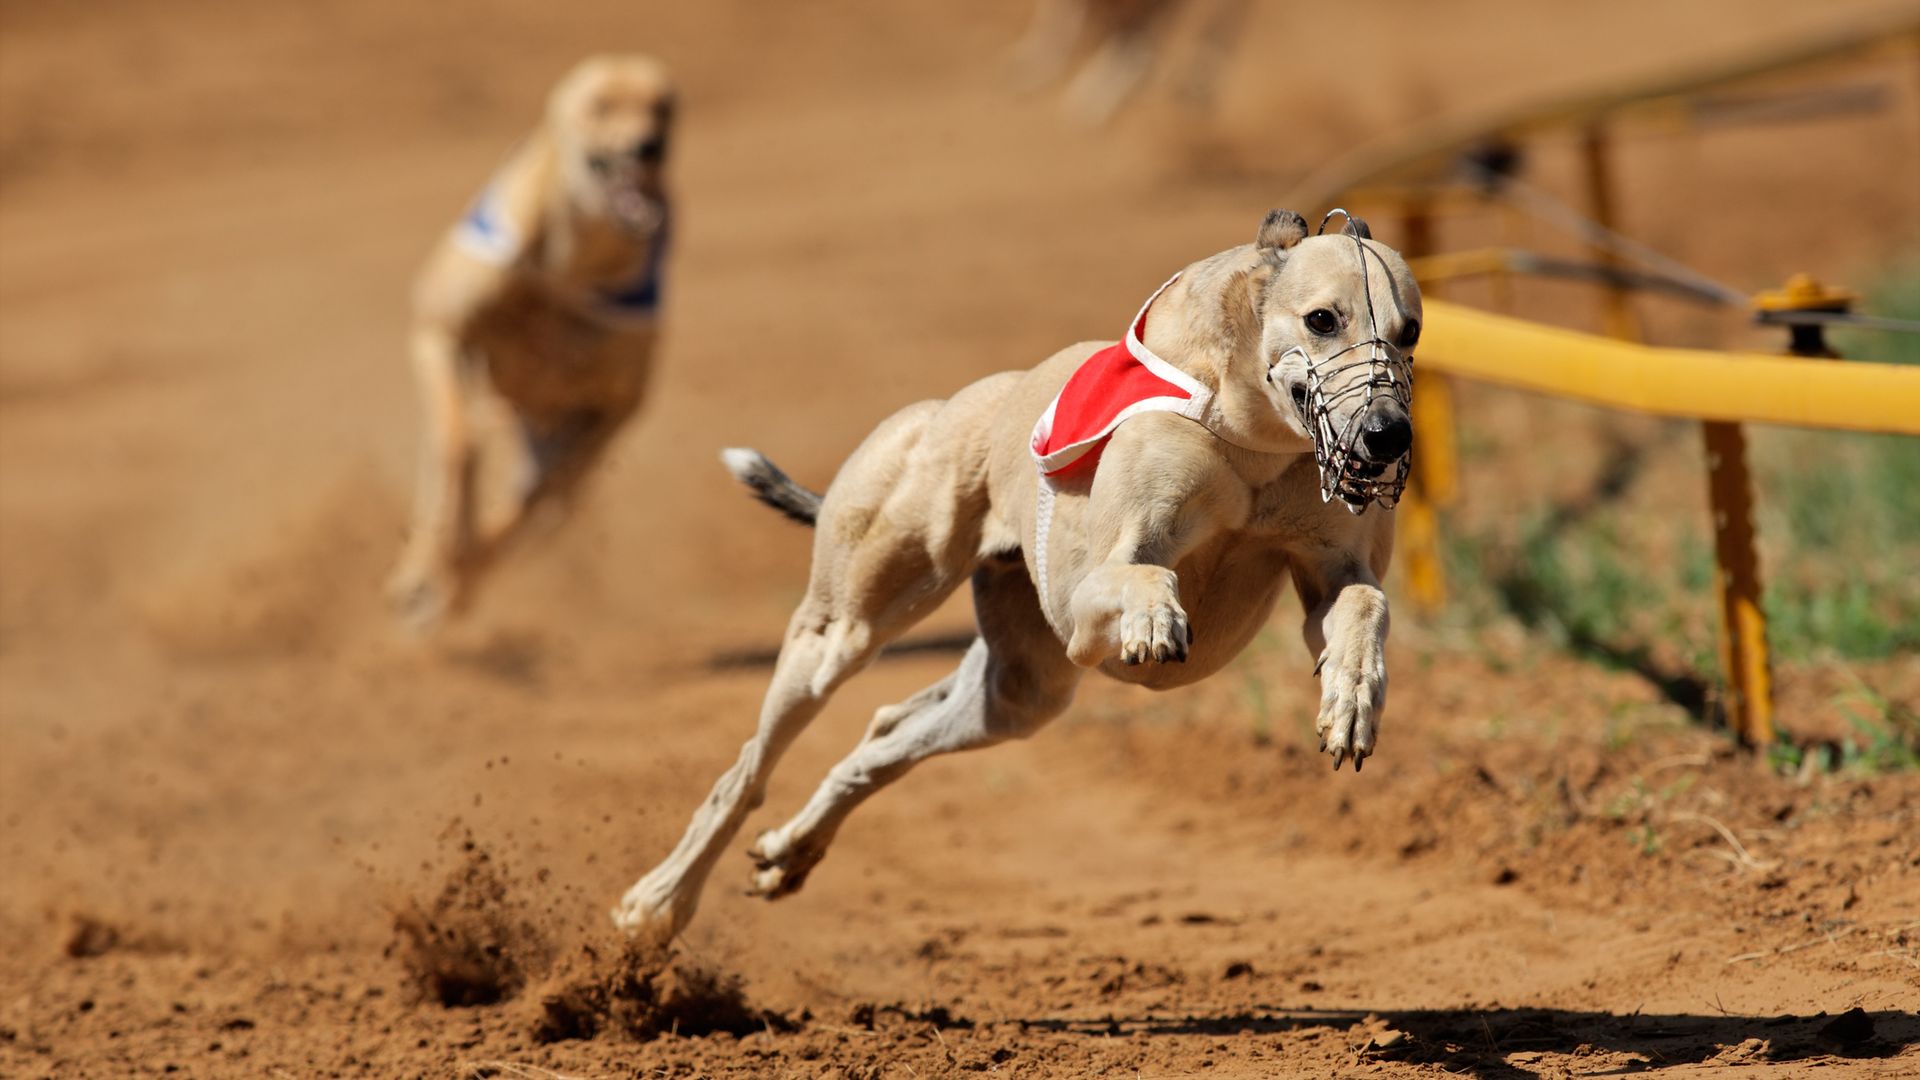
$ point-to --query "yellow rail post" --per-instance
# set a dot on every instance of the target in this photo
(1433, 480)
(1736, 585)
(1596, 156)
(1736, 577)
(1736, 581)
(1514, 234)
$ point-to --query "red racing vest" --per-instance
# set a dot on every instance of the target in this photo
(1122, 380)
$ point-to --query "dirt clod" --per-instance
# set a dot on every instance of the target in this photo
(1851, 1028)
(640, 992)
(90, 936)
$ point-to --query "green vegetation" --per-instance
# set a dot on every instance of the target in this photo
(1895, 295)
(1886, 738)
(1840, 518)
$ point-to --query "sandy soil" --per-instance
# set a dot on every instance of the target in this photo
(248, 831)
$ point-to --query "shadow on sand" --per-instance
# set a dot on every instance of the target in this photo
(1498, 1043)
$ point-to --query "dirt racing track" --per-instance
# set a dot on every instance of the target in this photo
(248, 830)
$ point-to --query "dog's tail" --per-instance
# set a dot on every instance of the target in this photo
(770, 485)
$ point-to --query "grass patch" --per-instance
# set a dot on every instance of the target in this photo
(1895, 294)
(1886, 738)
(1840, 533)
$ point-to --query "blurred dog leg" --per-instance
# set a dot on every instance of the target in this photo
(550, 467)
(1133, 40)
(425, 585)
(1199, 81)
(1041, 56)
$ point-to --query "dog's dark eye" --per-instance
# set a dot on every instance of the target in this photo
(1322, 322)
(1410, 336)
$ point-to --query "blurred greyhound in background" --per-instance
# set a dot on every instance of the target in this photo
(534, 326)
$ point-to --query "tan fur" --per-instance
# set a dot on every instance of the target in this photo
(525, 371)
(1184, 527)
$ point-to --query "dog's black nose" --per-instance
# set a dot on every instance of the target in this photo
(650, 151)
(1385, 434)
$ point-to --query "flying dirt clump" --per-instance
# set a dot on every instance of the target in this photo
(90, 936)
(481, 940)
(639, 991)
(474, 943)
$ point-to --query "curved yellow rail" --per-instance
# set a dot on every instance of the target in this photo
(1736, 387)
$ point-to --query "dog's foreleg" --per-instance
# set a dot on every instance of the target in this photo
(1160, 492)
(1346, 631)
(1011, 681)
(426, 582)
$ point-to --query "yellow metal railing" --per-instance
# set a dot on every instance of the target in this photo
(1724, 390)
(1750, 387)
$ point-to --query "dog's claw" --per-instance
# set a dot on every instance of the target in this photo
(1358, 760)
(1157, 635)
(1317, 665)
(1340, 758)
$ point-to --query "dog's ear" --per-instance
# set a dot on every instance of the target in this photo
(1280, 230)
(1241, 300)
(1357, 227)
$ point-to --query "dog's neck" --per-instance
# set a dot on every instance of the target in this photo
(1207, 324)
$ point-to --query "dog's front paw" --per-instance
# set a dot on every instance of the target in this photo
(1353, 695)
(1158, 632)
(1129, 612)
(779, 866)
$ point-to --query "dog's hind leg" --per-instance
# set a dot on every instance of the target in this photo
(549, 465)
(1013, 679)
(821, 651)
(897, 533)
